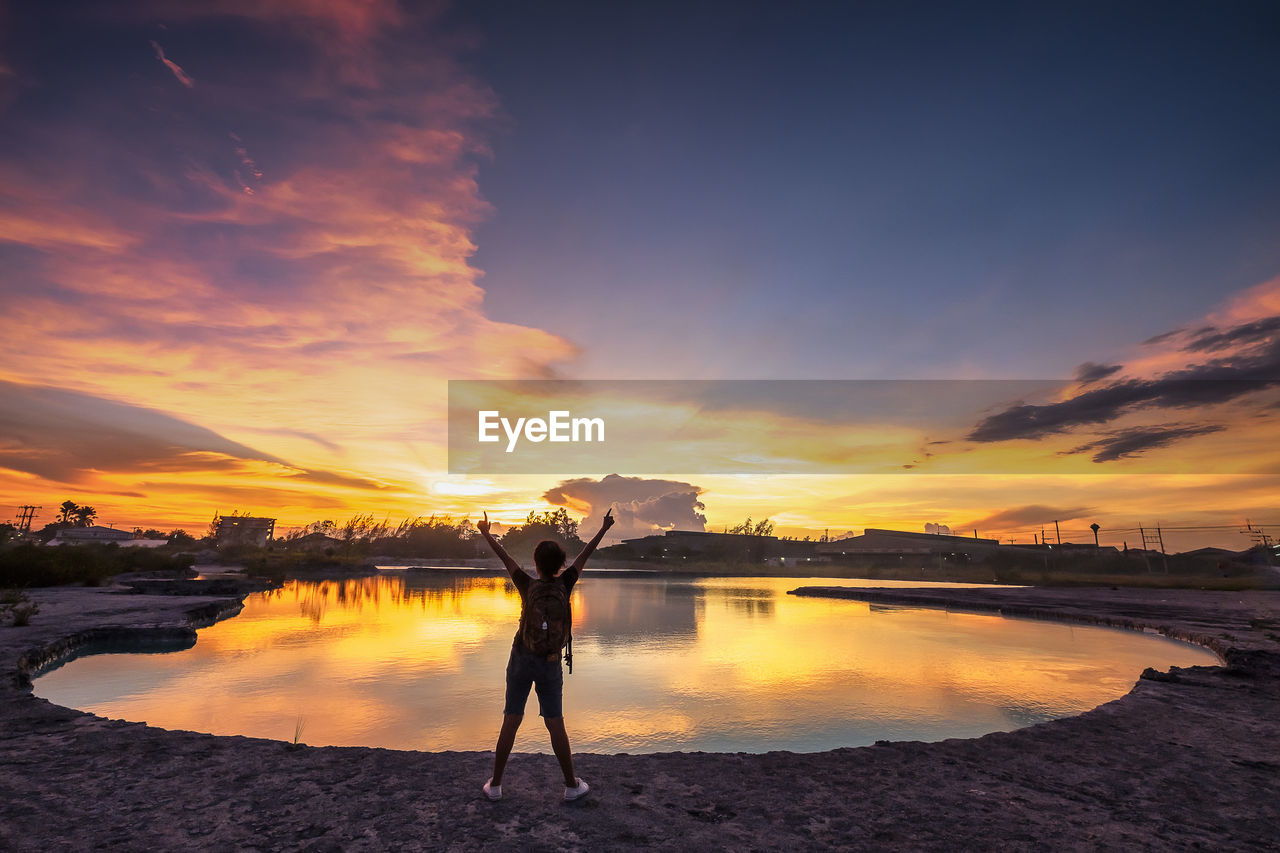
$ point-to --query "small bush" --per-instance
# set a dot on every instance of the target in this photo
(22, 613)
(91, 565)
(16, 603)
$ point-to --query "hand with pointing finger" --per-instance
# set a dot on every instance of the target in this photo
(483, 526)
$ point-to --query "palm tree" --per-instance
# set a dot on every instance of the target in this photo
(85, 515)
(68, 509)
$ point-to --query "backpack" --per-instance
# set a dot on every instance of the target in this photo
(547, 621)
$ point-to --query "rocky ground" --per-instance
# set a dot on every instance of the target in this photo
(1187, 760)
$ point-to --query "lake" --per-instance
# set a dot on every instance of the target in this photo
(415, 660)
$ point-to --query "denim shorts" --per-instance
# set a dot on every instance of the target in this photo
(525, 670)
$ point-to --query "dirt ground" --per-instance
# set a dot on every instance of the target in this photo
(1189, 759)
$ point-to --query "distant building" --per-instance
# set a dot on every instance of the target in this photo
(93, 533)
(244, 530)
(902, 543)
(674, 544)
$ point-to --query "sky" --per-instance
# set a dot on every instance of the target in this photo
(244, 246)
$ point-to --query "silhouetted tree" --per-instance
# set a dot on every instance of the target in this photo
(555, 525)
(328, 527)
(67, 510)
(764, 527)
(181, 538)
(437, 536)
(362, 528)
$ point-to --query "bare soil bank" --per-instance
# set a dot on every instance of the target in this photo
(1184, 761)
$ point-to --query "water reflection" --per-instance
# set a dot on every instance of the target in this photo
(416, 659)
(621, 615)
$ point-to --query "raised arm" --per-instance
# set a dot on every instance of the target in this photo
(580, 561)
(512, 565)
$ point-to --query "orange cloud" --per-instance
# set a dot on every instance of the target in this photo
(182, 76)
(330, 304)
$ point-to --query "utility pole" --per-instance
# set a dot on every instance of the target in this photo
(1056, 531)
(24, 519)
(1257, 535)
(1156, 539)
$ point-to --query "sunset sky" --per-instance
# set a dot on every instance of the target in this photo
(245, 244)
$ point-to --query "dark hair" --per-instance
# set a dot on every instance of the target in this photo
(548, 557)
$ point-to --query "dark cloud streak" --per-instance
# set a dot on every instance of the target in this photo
(1133, 442)
(1210, 338)
(1090, 372)
(182, 77)
(1219, 381)
(1030, 515)
(68, 436)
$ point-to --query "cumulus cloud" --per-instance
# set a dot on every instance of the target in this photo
(641, 506)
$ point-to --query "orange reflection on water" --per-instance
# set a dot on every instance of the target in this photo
(416, 660)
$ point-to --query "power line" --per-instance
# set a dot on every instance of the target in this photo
(1170, 527)
(1033, 532)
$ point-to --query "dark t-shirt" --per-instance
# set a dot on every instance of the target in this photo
(522, 579)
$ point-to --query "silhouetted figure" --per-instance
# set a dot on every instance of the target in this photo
(545, 625)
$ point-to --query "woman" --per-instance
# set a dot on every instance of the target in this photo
(535, 652)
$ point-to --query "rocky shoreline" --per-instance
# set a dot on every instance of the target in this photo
(1187, 759)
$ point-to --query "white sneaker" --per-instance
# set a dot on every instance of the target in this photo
(492, 791)
(577, 793)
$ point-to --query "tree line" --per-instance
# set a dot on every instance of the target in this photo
(430, 536)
